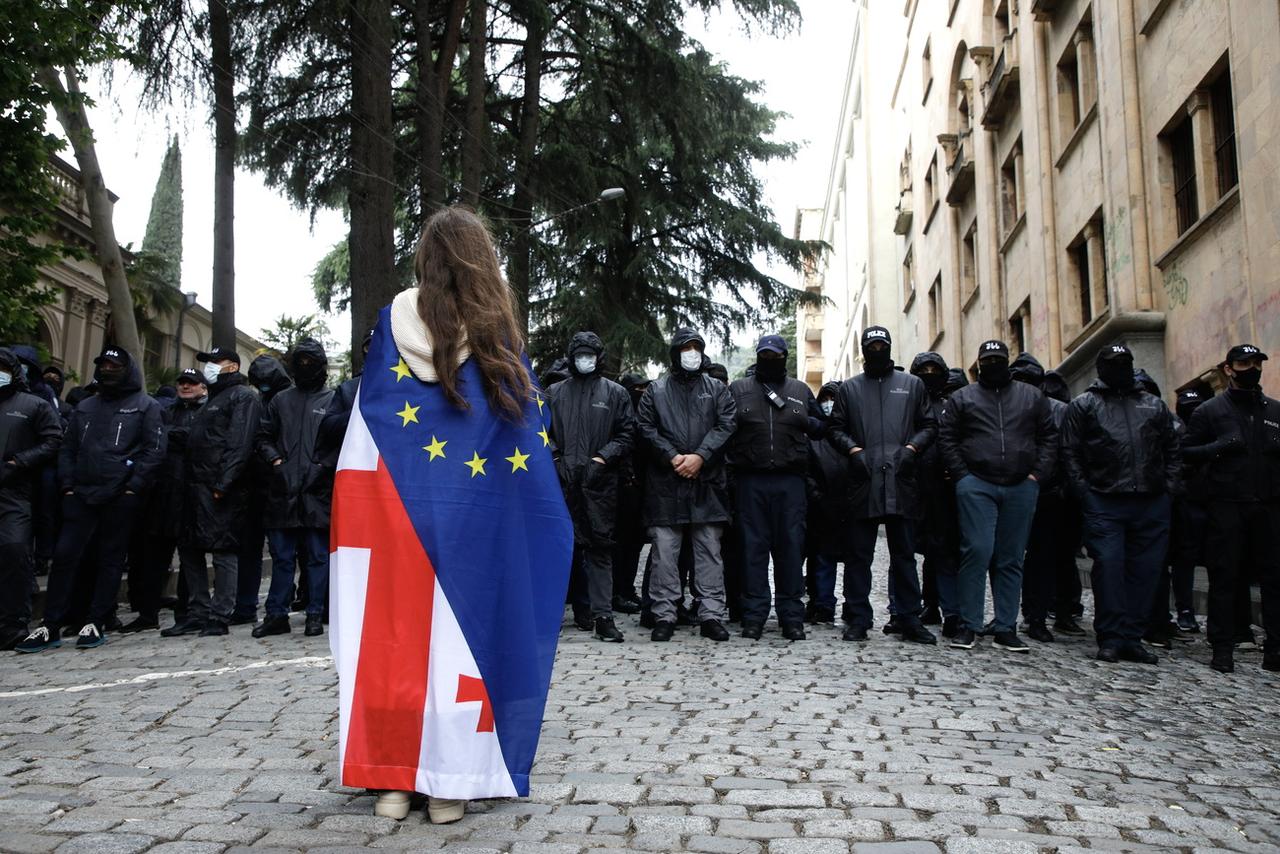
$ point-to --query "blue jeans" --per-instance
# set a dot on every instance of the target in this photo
(285, 544)
(820, 581)
(995, 522)
(1128, 537)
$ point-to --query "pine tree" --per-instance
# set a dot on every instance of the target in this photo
(163, 237)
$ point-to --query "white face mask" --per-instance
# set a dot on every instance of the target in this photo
(5, 378)
(585, 364)
(691, 360)
(211, 371)
(828, 406)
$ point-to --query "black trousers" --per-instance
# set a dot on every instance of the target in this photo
(1239, 531)
(626, 566)
(1127, 537)
(1049, 569)
(591, 580)
(112, 524)
(147, 580)
(771, 521)
(902, 569)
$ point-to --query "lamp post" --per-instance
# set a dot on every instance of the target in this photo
(605, 196)
(188, 300)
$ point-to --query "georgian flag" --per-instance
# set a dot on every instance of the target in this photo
(450, 552)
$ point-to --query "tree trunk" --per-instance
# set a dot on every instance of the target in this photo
(224, 175)
(371, 197)
(75, 124)
(434, 74)
(530, 114)
(473, 145)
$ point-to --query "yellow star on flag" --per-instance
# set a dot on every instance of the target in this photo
(541, 402)
(476, 463)
(546, 440)
(435, 449)
(518, 461)
(409, 413)
(401, 370)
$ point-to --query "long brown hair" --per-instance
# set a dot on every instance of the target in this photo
(460, 287)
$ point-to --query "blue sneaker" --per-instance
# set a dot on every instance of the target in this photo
(39, 640)
(90, 637)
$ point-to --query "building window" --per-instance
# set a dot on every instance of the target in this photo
(1000, 22)
(1182, 151)
(935, 310)
(931, 186)
(1068, 94)
(1079, 253)
(1018, 336)
(969, 264)
(1011, 189)
(1224, 133)
(1077, 79)
(908, 278)
(926, 70)
(1087, 262)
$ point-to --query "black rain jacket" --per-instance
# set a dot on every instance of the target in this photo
(826, 527)
(685, 413)
(167, 500)
(882, 415)
(1000, 435)
(769, 439)
(219, 451)
(114, 442)
(591, 417)
(30, 433)
(300, 489)
(1239, 433)
(1120, 444)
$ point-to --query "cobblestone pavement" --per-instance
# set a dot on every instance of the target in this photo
(198, 745)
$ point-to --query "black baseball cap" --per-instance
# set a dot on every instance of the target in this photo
(993, 348)
(220, 354)
(1192, 395)
(118, 355)
(1241, 352)
(191, 375)
(1115, 351)
(772, 343)
(875, 333)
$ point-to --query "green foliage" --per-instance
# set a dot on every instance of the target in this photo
(163, 238)
(788, 333)
(331, 279)
(290, 330)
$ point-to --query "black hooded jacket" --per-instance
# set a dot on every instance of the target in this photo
(219, 450)
(1236, 436)
(882, 415)
(685, 413)
(1120, 443)
(299, 489)
(999, 434)
(268, 376)
(829, 505)
(168, 497)
(114, 442)
(591, 417)
(30, 433)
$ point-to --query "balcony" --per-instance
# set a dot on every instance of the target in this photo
(1044, 10)
(902, 223)
(814, 324)
(1002, 85)
(813, 369)
(959, 148)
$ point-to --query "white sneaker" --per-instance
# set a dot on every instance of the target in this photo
(392, 805)
(445, 810)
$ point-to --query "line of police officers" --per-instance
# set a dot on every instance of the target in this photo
(993, 483)
(207, 472)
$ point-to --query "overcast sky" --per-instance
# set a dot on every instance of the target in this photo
(277, 245)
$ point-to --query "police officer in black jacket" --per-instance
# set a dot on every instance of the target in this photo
(165, 518)
(592, 433)
(110, 454)
(769, 454)
(1122, 460)
(1241, 428)
(30, 433)
(882, 422)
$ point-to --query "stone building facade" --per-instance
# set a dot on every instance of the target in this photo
(75, 326)
(1073, 173)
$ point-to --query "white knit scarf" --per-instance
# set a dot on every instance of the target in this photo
(414, 341)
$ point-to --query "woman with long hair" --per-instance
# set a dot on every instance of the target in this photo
(450, 546)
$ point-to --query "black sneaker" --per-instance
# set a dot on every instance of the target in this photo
(950, 625)
(272, 626)
(715, 630)
(1188, 623)
(626, 604)
(1009, 642)
(1037, 632)
(793, 632)
(605, 630)
(684, 617)
(752, 631)
(1137, 653)
(582, 619)
(214, 629)
(918, 634)
(964, 638)
(39, 641)
(662, 632)
(1158, 638)
(90, 636)
(140, 624)
(1223, 660)
(186, 627)
(1109, 654)
(893, 627)
(988, 630)
(314, 626)
(855, 634)
(931, 616)
(1068, 626)
(1245, 639)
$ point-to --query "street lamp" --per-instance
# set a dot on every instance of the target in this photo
(188, 300)
(605, 196)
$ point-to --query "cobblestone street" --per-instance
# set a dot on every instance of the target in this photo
(209, 745)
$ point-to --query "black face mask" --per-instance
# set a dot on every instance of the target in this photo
(311, 375)
(1186, 410)
(877, 363)
(771, 370)
(934, 383)
(1248, 379)
(1117, 374)
(994, 374)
